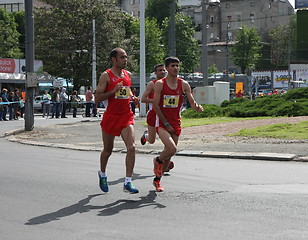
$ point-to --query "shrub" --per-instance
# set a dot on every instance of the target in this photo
(210, 110)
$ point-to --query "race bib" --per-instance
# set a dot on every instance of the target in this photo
(123, 93)
(171, 101)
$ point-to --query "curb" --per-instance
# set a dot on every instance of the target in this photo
(11, 136)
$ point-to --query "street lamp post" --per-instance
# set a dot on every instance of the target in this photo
(172, 47)
(204, 57)
(227, 52)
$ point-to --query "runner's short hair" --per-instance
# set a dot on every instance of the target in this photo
(157, 66)
(170, 60)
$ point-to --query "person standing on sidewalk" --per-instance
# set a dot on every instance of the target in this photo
(147, 97)
(89, 101)
(63, 100)
(46, 103)
(55, 98)
(168, 99)
(114, 90)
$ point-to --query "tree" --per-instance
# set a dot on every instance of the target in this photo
(160, 10)
(20, 19)
(64, 37)
(246, 49)
(155, 52)
(283, 39)
(187, 49)
(9, 47)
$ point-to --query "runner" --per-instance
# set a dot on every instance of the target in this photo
(168, 98)
(118, 120)
(147, 97)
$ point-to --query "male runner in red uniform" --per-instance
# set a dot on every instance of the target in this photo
(168, 98)
(118, 119)
(147, 97)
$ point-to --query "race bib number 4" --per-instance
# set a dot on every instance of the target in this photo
(123, 93)
(171, 101)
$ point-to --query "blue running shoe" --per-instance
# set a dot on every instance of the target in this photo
(128, 187)
(103, 184)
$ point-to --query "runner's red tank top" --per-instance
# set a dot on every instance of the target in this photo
(171, 102)
(119, 103)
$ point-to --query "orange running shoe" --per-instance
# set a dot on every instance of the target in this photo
(158, 168)
(157, 185)
(171, 165)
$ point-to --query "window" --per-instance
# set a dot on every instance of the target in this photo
(252, 4)
(228, 5)
(239, 18)
(252, 17)
(212, 19)
(212, 35)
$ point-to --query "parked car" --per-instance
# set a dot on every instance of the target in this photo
(37, 103)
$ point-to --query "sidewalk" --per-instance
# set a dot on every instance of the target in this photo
(84, 134)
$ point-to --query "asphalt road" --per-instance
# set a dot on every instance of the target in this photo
(49, 193)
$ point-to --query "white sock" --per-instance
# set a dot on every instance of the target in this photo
(102, 174)
(127, 180)
(146, 136)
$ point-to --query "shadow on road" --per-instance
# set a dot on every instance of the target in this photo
(106, 210)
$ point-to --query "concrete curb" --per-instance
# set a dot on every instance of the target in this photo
(11, 136)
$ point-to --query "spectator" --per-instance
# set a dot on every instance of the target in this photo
(89, 101)
(63, 100)
(46, 103)
(239, 94)
(74, 103)
(55, 98)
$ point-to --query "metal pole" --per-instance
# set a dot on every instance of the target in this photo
(227, 53)
(29, 111)
(172, 44)
(142, 110)
(94, 58)
(204, 59)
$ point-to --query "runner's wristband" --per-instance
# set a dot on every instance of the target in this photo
(166, 124)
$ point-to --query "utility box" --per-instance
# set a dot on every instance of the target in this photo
(216, 94)
(222, 92)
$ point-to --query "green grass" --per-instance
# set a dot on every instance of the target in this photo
(190, 122)
(282, 131)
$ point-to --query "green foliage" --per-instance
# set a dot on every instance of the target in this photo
(292, 103)
(212, 69)
(187, 49)
(159, 10)
(282, 40)
(20, 19)
(65, 29)
(9, 36)
(246, 49)
(209, 111)
(155, 53)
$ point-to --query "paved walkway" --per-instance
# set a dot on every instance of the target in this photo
(85, 134)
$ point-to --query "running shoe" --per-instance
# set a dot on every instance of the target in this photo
(157, 185)
(158, 168)
(143, 140)
(171, 165)
(128, 187)
(103, 184)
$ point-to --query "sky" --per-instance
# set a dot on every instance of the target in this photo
(292, 2)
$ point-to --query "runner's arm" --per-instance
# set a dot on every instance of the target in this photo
(100, 94)
(145, 97)
(186, 89)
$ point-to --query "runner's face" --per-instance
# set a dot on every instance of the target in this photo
(121, 60)
(160, 72)
(173, 69)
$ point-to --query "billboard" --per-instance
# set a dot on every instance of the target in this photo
(301, 4)
(262, 80)
(10, 65)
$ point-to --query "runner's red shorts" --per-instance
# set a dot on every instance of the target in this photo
(114, 124)
(151, 118)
